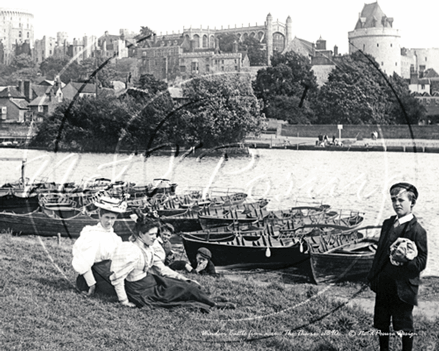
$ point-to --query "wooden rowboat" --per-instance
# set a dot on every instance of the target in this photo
(350, 261)
(253, 250)
(51, 222)
(17, 203)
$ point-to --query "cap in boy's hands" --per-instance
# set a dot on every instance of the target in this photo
(402, 251)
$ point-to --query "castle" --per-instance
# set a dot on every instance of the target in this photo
(374, 34)
(16, 34)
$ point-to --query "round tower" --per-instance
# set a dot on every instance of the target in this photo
(269, 37)
(17, 27)
(374, 34)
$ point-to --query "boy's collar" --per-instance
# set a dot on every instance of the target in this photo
(405, 219)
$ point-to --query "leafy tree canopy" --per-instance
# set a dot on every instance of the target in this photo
(290, 76)
(358, 93)
(220, 110)
(251, 45)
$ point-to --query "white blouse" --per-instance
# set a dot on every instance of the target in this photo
(159, 266)
(95, 244)
(132, 263)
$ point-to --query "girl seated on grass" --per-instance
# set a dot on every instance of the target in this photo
(134, 283)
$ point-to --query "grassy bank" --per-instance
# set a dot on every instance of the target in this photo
(42, 311)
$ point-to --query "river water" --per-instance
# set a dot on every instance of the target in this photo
(344, 180)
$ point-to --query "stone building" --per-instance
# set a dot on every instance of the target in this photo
(196, 51)
(13, 105)
(16, 28)
(374, 34)
(44, 48)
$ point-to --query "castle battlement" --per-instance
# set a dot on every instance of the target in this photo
(373, 32)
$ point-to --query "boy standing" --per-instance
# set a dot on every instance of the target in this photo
(395, 274)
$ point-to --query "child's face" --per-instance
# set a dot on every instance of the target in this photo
(200, 259)
(165, 235)
(401, 203)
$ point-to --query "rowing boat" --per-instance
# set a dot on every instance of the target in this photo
(349, 261)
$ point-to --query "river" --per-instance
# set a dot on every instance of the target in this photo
(344, 180)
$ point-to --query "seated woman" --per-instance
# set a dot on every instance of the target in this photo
(96, 244)
(136, 286)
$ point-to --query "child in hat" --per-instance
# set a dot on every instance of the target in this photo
(395, 274)
(201, 265)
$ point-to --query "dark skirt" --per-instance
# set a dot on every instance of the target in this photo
(151, 290)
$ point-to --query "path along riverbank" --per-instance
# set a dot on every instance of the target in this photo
(366, 145)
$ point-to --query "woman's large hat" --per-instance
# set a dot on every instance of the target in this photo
(111, 204)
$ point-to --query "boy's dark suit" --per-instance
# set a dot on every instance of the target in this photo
(396, 287)
(407, 276)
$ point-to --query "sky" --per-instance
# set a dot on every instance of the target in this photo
(417, 22)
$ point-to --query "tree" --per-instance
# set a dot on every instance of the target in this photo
(153, 85)
(257, 55)
(290, 75)
(357, 93)
(250, 45)
(64, 67)
(220, 110)
(90, 124)
(22, 61)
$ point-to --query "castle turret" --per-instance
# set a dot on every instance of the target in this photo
(289, 36)
(374, 34)
(269, 37)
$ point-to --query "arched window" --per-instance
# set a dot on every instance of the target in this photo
(211, 41)
(205, 41)
(196, 41)
(278, 42)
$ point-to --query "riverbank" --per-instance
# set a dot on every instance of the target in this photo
(42, 310)
(365, 145)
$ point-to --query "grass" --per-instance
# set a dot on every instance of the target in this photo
(41, 310)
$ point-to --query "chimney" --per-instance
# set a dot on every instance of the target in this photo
(20, 86)
(27, 86)
(335, 50)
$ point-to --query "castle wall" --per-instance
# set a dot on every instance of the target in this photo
(381, 43)
(16, 27)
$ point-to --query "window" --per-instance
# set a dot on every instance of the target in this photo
(381, 63)
(182, 69)
(207, 68)
(426, 59)
(223, 68)
(19, 34)
(423, 86)
(391, 44)
(396, 63)
(236, 68)
(28, 35)
(377, 44)
(194, 66)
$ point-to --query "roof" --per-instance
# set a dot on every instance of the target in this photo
(88, 88)
(39, 101)
(430, 73)
(300, 46)
(40, 89)
(11, 92)
(372, 16)
(20, 103)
